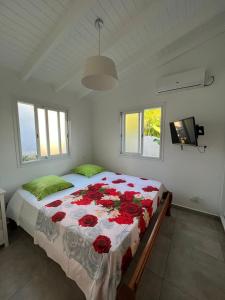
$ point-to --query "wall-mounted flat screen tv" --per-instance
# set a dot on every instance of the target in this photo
(184, 132)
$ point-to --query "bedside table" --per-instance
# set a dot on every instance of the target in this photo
(3, 224)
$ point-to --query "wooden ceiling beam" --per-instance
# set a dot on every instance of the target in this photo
(208, 14)
(208, 11)
(109, 42)
(75, 10)
(193, 40)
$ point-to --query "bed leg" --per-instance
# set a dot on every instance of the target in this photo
(125, 293)
(11, 224)
(168, 211)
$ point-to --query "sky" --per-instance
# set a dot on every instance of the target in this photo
(27, 128)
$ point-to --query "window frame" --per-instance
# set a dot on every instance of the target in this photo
(141, 135)
(122, 147)
(49, 157)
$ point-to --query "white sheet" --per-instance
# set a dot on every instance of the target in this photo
(23, 207)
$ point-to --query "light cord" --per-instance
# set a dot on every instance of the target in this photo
(98, 26)
(99, 39)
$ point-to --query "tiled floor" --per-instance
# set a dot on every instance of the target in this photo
(187, 263)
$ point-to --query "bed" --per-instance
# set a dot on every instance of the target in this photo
(93, 229)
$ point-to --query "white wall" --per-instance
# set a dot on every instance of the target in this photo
(195, 179)
(189, 174)
(222, 213)
(12, 89)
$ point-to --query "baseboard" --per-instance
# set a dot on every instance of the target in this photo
(223, 221)
(195, 210)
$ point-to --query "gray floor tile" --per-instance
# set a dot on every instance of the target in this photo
(197, 222)
(171, 292)
(150, 286)
(221, 236)
(51, 286)
(222, 242)
(196, 273)
(158, 259)
(19, 262)
(206, 230)
(208, 242)
(219, 227)
(168, 226)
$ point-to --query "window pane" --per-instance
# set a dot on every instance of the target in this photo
(152, 128)
(42, 132)
(53, 132)
(27, 131)
(62, 117)
(132, 132)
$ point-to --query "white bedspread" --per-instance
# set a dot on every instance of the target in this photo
(23, 207)
(27, 212)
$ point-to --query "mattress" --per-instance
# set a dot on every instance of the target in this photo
(23, 207)
(93, 229)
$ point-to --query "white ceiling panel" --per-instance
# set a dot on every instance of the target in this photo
(23, 26)
(133, 30)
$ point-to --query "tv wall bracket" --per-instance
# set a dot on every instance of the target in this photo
(201, 148)
(199, 130)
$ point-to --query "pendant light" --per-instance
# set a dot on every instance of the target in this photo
(100, 71)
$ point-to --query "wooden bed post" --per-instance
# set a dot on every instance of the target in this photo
(168, 211)
(128, 291)
(125, 293)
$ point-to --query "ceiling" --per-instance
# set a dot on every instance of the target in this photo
(49, 40)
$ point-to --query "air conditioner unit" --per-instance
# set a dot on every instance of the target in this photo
(193, 78)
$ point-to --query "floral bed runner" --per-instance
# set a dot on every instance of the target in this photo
(94, 232)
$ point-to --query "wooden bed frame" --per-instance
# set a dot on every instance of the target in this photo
(128, 291)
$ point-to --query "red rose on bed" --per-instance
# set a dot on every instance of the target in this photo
(88, 221)
(131, 208)
(102, 244)
(59, 216)
(105, 203)
(126, 260)
(95, 187)
(150, 188)
(141, 224)
(104, 178)
(147, 203)
(123, 218)
(94, 195)
(130, 184)
(54, 203)
(84, 201)
(150, 211)
(118, 181)
(111, 192)
(77, 193)
(128, 196)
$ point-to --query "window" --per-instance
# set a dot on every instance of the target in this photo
(43, 132)
(141, 132)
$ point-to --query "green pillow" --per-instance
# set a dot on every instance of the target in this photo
(46, 185)
(88, 170)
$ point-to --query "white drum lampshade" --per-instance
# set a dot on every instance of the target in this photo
(100, 73)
